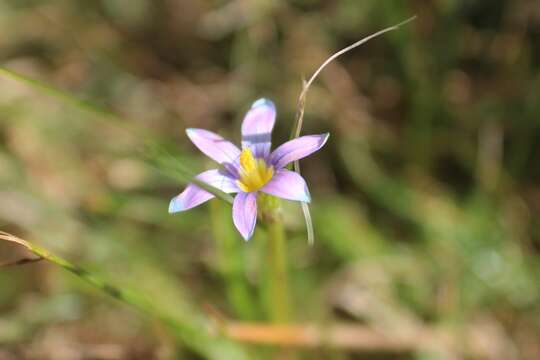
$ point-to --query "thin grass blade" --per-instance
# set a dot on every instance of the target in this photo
(301, 104)
(155, 154)
(195, 335)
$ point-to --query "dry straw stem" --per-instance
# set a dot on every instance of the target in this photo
(440, 341)
(11, 238)
(343, 336)
(301, 104)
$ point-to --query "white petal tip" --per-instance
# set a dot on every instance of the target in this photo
(307, 198)
(249, 235)
(325, 139)
(175, 206)
(263, 102)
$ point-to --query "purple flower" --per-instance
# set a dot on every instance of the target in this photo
(250, 170)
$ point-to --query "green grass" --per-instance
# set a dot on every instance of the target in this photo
(424, 204)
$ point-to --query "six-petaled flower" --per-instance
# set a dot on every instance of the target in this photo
(250, 170)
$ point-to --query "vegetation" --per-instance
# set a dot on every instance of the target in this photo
(425, 200)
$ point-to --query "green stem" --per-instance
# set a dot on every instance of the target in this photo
(278, 300)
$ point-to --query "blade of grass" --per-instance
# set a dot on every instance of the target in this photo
(301, 104)
(58, 94)
(194, 334)
(153, 153)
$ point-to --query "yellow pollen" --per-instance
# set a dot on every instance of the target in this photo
(254, 173)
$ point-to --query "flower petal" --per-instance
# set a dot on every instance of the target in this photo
(288, 185)
(245, 213)
(297, 149)
(257, 127)
(194, 195)
(213, 145)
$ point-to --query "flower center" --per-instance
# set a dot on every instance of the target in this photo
(254, 173)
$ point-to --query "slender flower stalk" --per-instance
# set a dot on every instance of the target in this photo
(252, 170)
(276, 297)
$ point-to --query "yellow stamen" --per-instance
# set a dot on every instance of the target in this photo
(254, 173)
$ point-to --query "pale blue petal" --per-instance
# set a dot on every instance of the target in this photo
(257, 127)
(288, 185)
(213, 145)
(297, 149)
(245, 213)
(193, 195)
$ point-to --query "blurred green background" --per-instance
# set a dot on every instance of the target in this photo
(426, 199)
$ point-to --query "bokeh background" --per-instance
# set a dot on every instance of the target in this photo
(426, 199)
